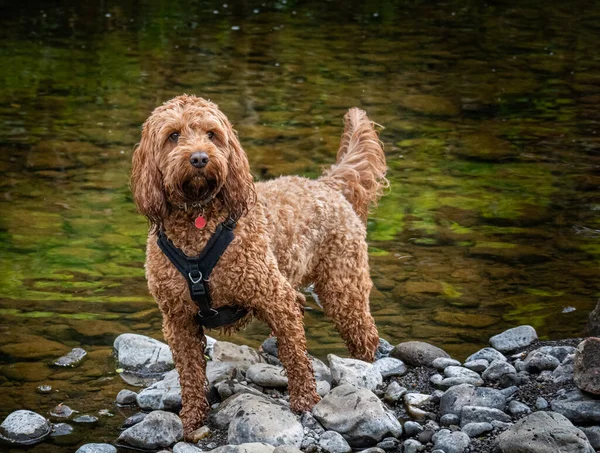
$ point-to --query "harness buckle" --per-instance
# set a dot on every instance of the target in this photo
(194, 279)
(213, 312)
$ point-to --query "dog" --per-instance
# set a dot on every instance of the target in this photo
(291, 232)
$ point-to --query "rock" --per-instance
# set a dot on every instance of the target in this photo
(447, 383)
(321, 371)
(578, 407)
(541, 403)
(509, 391)
(384, 349)
(220, 371)
(497, 369)
(543, 432)
(564, 373)
(412, 446)
(72, 359)
(323, 388)
(44, 389)
(201, 433)
(477, 429)
(243, 355)
(228, 408)
(412, 428)
(210, 344)
(286, 449)
(185, 447)
(134, 419)
(261, 420)
(460, 372)
(394, 392)
(357, 414)
(514, 338)
(586, 370)
(593, 435)
(489, 354)
(418, 353)
(126, 397)
(593, 326)
(24, 427)
(467, 395)
(252, 447)
(86, 419)
(270, 346)
(560, 352)
(96, 448)
(450, 442)
(62, 411)
(388, 444)
(267, 375)
(479, 365)
(388, 367)
(441, 363)
(449, 419)
(61, 429)
(333, 442)
(159, 429)
(162, 395)
(538, 361)
(479, 414)
(517, 409)
(355, 372)
(414, 403)
(142, 355)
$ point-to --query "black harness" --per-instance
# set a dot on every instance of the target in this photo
(196, 271)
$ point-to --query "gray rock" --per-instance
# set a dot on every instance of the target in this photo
(86, 419)
(514, 338)
(587, 365)
(477, 429)
(413, 446)
(418, 353)
(261, 420)
(228, 408)
(159, 429)
(252, 447)
(543, 432)
(62, 411)
(541, 403)
(394, 392)
(517, 409)
(593, 435)
(210, 344)
(384, 349)
(479, 365)
(560, 352)
(389, 444)
(310, 422)
(497, 369)
(447, 383)
(267, 375)
(510, 391)
(244, 356)
(441, 363)
(134, 419)
(61, 429)
(270, 346)
(489, 354)
(460, 372)
(355, 372)
(72, 359)
(357, 414)
(415, 403)
(449, 419)
(497, 424)
(186, 447)
(388, 367)
(126, 397)
(479, 414)
(450, 442)
(412, 428)
(578, 407)
(538, 361)
(141, 355)
(372, 450)
(321, 371)
(221, 371)
(96, 448)
(286, 449)
(333, 442)
(564, 373)
(162, 395)
(323, 388)
(24, 427)
(466, 395)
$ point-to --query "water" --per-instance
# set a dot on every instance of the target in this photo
(491, 130)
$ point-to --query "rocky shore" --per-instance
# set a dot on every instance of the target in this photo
(518, 395)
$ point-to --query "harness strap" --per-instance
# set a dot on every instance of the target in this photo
(196, 271)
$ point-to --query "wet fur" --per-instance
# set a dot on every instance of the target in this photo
(291, 231)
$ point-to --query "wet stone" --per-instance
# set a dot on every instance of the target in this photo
(514, 338)
(72, 359)
(587, 365)
(332, 442)
(126, 397)
(355, 372)
(489, 354)
(418, 353)
(24, 427)
(44, 389)
(270, 346)
(267, 375)
(383, 349)
(134, 419)
(96, 448)
(451, 442)
(62, 411)
(159, 429)
(143, 355)
(477, 429)
(61, 429)
(388, 367)
(85, 419)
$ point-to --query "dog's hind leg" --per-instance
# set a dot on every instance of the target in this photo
(343, 285)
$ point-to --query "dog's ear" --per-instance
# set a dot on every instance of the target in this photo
(146, 180)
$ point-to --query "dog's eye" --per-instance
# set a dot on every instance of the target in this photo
(174, 137)
(210, 135)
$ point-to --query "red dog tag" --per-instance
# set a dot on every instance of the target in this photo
(200, 222)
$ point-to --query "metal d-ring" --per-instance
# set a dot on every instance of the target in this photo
(195, 280)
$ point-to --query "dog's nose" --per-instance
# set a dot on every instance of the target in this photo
(199, 159)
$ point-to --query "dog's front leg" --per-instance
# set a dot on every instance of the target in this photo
(187, 342)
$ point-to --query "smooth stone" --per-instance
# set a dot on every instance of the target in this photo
(456, 397)
(593, 435)
(228, 408)
(96, 448)
(267, 375)
(134, 419)
(565, 372)
(221, 371)
(418, 353)
(543, 432)
(389, 444)
(514, 338)
(358, 415)
(517, 409)
(333, 442)
(412, 446)
(449, 419)
(323, 388)
(538, 361)
(126, 397)
(162, 395)
(85, 419)
(414, 403)
(23, 427)
(578, 407)
(201, 433)
(138, 354)
(479, 365)
(451, 442)
(185, 447)
(586, 367)
(383, 349)
(509, 391)
(321, 371)
(560, 352)
(62, 411)
(355, 372)
(447, 383)
(541, 403)
(388, 367)
(159, 429)
(476, 429)
(251, 447)
(412, 428)
(72, 359)
(61, 429)
(441, 363)
(270, 346)
(497, 369)
(479, 414)
(460, 372)
(489, 354)
(244, 356)
(394, 392)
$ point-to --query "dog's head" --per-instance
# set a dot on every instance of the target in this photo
(189, 154)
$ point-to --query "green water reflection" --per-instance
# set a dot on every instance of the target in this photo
(491, 130)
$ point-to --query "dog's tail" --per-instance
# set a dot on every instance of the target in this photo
(359, 172)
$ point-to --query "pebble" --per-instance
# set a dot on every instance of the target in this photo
(449, 419)
(61, 429)
(478, 414)
(185, 447)
(394, 392)
(477, 429)
(541, 403)
(44, 389)
(441, 363)
(414, 403)
(388, 367)
(85, 419)
(126, 397)
(514, 338)
(201, 433)
(267, 375)
(479, 365)
(412, 428)
(538, 361)
(333, 442)
(497, 369)
(62, 411)
(96, 448)
(389, 444)
(489, 354)
(384, 349)
(355, 372)
(418, 353)
(72, 359)
(517, 409)
(412, 446)
(270, 346)
(451, 442)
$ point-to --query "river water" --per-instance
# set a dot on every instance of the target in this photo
(492, 135)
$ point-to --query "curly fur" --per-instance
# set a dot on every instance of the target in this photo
(291, 231)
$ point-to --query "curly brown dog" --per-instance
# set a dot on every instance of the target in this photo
(290, 232)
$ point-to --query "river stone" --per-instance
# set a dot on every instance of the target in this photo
(220, 371)
(394, 392)
(228, 408)
(96, 448)
(260, 420)
(210, 344)
(159, 429)
(441, 363)
(564, 372)
(162, 395)
(418, 353)
(586, 367)
(477, 429)
(333, 442)
(497, 369)
(24, 427)
(517, 409)
(267, 375)
(447, 383)
(244, 356)
(514, 338)
(72, 359)
(579, 407)
(543, 432)
(358, 415)
(479, 365)
(460, 372)
(450, 442)
(538, 361)
(449, 419)
(414, 403)
(355, 372)
(458, 396)
(593, 435)
(321, 371)
(141, 355)
(388, 367)
(225, 389)
(126, 397)
(252, 447)
(383, 349)
(479, 414)
(61, 429)
(186, 447)
(86, 419)
(270, 346)
(134, 419)
(593, 326)
(410, 446)
(489, 354)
